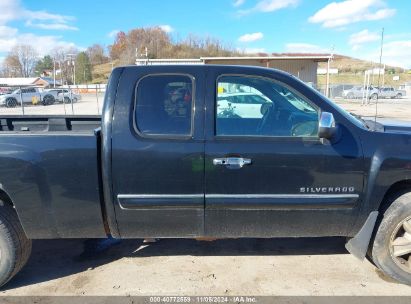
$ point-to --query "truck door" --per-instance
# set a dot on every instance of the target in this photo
(158, 152)
(268, 174)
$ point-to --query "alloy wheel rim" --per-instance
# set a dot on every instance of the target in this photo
(400, 245)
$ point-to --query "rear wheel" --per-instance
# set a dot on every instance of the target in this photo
(15, 247)
(399, 95)
(11, 102)
(391, 249)
(48, 100)
(67, 100)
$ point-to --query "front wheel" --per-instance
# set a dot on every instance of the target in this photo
(391, 249)
(374, 96)
(399, 96)
(11, 102)
(48, 100)
(15, 247)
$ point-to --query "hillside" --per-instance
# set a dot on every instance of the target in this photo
(351, 71)
(101, 72)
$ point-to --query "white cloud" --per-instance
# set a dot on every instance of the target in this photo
(251, 37)
(13, 11)
(396, 53)
(360, 38)
(337, 14)
(268, 6)
(166, 28)
(7, 31)
(51, 26)
(238, 3)
(300, 47)
(9, 10)
(113, 33)
(44, 44)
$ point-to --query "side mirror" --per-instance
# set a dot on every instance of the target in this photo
(326, 126)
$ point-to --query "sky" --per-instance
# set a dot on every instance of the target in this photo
(347, 27)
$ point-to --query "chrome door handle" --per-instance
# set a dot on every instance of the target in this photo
(232, 162)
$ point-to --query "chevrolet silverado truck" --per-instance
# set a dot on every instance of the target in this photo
(163, 161)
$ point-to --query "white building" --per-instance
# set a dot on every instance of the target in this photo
(304, 66)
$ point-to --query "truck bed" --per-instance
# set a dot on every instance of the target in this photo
(51, 123)
(51, 167)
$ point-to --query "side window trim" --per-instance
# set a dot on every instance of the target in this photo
(166, 136)
(257, 137)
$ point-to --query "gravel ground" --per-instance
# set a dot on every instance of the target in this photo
(317, 266)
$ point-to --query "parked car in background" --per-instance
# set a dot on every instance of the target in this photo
(64, 95)
(246, 105)
(359, 92)
(68, 96)
(5, 90)
(27, 96)
(390, 92)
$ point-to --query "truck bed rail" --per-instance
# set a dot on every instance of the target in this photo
(25, 123)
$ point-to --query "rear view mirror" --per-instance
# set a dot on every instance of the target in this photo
(326, 125)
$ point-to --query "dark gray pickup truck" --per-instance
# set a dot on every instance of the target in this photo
(207, 151)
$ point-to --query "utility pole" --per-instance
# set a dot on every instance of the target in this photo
(327, 85)
(54, 72)
(71, 61)
(379, 76)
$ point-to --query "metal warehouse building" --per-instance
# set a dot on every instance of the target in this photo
(304, 66)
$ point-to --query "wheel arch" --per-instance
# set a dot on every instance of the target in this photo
(393, 192)
(5, 197)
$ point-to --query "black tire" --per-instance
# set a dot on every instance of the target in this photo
(48, 100)
(399, 96)
(15, 247)
(11, 102)
(381, 251)
(374, 96)
(67, 100)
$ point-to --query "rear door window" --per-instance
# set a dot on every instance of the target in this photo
(164, 105)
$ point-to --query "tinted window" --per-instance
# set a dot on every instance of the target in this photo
(164, 105)
(254, 106)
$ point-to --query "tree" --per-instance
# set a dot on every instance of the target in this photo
(119, 45)
(11, 66)
(97, 55)
(24, 57)
(83, 68)
(45, 64)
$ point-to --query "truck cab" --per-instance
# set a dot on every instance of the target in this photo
(182, 167)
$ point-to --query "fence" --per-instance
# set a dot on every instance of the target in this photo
(67, 100)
